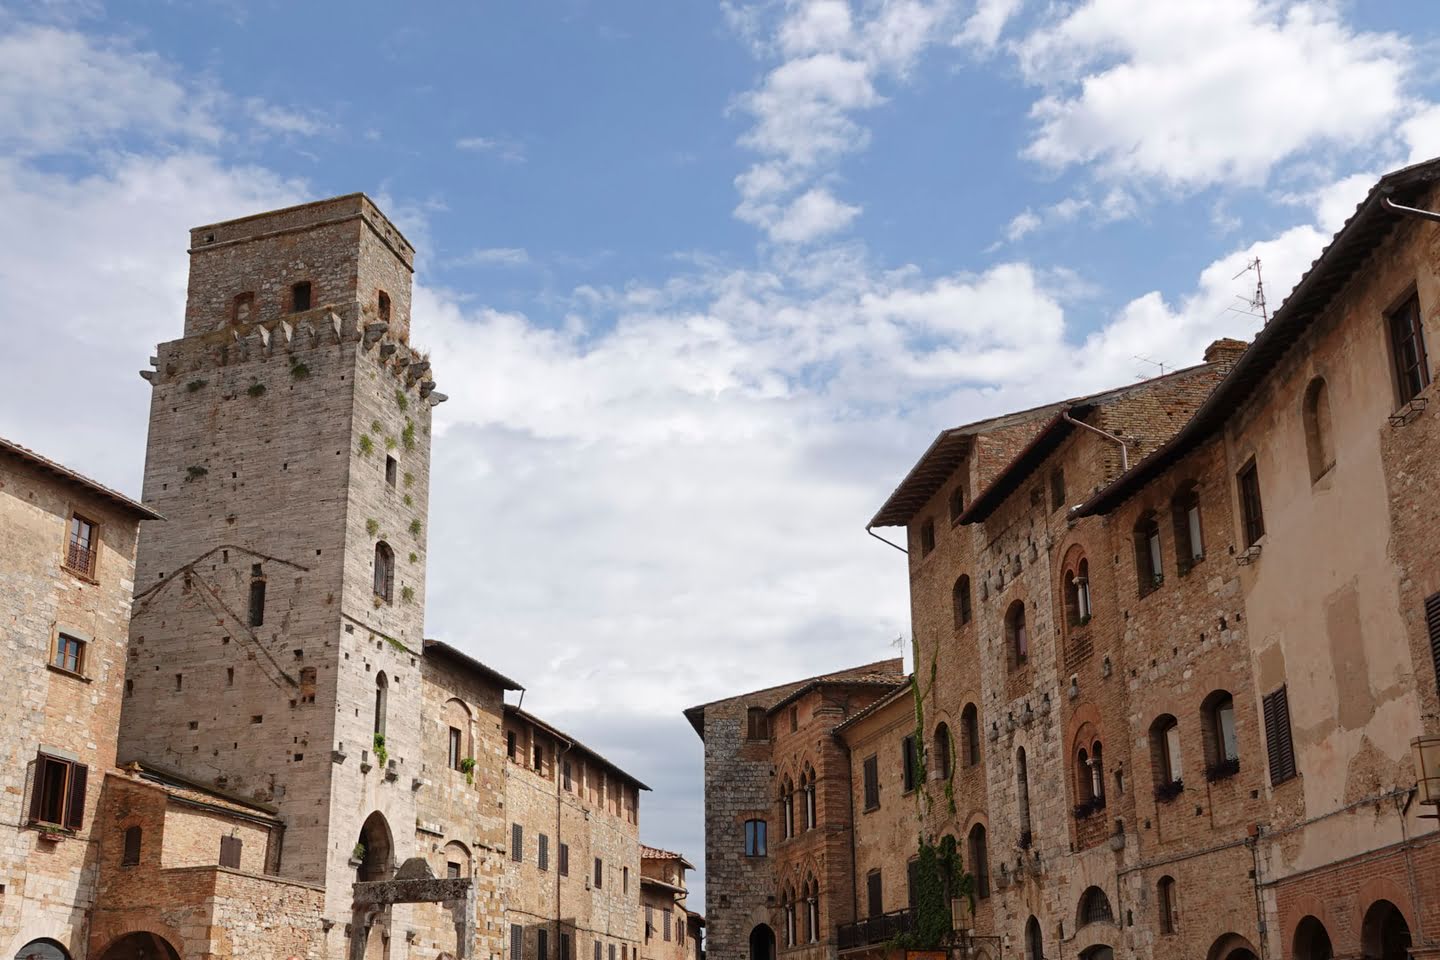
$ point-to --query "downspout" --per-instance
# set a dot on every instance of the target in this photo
(559, 792)
(888, 543)
(1124, 454)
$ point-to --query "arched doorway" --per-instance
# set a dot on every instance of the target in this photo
(374, 851)
(1232, 946)
(1034, 942)
(1098, 952)
(1385, 935)
(1312, 942)
(141, 945)
(762, 943)
(43, 949)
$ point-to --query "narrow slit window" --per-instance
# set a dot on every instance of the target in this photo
(300, 297)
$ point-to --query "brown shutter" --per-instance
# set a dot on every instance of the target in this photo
(230, 848)
(1432, 623)
(1277, 736)
(38, 788)
(75, 803)
(517, 842)
(872, 890)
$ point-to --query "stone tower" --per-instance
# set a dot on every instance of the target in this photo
(279, 613)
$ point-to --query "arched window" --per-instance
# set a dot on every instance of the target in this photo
(1034, 942)
(961, 600)
(1022, 793)
(382, 306)
(957, 504)
(809, 778)
(1077, 591)
(384, 572)
(1385, 934)
(970, 728)
(943, 751)
(1097, 773)
(979, 861)
(755, 840)
(382, 694)
(455, 719)
(1017, 639)
(131, 853)
(1094, 907)
(1149, 567)
(1083, 788)
(1319, 435)
(787, 809)
(1165, 903)
(1222, 748)
(1185, 518)
(1312, 941)
(927, 536)
(1165, 757)
(812, 911)
(790, 916)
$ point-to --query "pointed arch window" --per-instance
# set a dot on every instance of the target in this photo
(944, 752)
(382, 697)
(970, 728)
(790, 930)
(384, 572)
(807, 788)
(961, 600)
(1185, 518)
(812, 911)
(1016, 635)
(979, 861)
(787, 809)
(1319, 434)
(1022, 793)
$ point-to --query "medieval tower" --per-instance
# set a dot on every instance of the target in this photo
(277, 630)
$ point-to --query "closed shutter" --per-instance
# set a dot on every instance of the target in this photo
(230, 852)
(1432, 623)
(597, 950)
(542, 857)
(912, 881)
(872, 783)
(517, 842)
(75, 803)
(564, 946)
(873, 894)
(564, 859)
(517, 942)
(1277, 736)
(542, 944)
(37, 790)
(907, 746)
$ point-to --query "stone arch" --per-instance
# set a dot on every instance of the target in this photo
(141, 944)
(1311, 940)
(1232, 946)
(377, 861)
(458, 853)
(382, 699)
(43, 948)
(1385, 932)
(1094, 907)
(455, 714)
(762, 942)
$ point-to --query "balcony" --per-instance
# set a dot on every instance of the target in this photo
(80, 559)
(873, 930)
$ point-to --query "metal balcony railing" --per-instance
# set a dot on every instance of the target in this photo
(80, 558)
(877, 929)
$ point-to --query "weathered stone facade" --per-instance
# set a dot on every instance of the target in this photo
(669, 930)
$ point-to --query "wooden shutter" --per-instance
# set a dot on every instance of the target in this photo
(1432, 624)
(517, 842)
(542, 944)
(37, 790)
(873, 893)
(542, 858)
(599, 873)
(230, 852)
(517, 941)
(1277, 736)
(872, 783)
(564, 859)
(908, 747)
(75, 802)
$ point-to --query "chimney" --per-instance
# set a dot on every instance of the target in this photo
(1225, 351)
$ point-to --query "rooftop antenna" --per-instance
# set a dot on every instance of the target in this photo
(1257, 302)
(1145, 359)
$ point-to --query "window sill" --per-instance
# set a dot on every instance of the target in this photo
(68, 673)
(84, 576)
(871, 809)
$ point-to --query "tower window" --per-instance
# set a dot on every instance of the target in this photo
(257, 602)
(300, 297)
(131, 855)
(382, 306)
(392, 467)
(382, 699)
(384, 572)
(1407, 350)
(242, 309)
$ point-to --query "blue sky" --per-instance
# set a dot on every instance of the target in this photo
(701, 280)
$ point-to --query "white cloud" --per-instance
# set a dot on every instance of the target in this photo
(1195, 94)
(983, 28)
(511, 151)
(61, 91)
(1022, 224)
(282, 120)
(493, 257)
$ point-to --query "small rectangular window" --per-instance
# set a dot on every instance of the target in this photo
(542, 944)
(755, 838)
(872, 782)
(873, 893)
(131, 855)
(599, 873)
(69, 653)
(539, 757)
(1276, 707)
(300, 297)
(511, 745)
(912, 882)
(392, 469)
(517, 843)
(452, 870)
(1057, 488)
(455, 749)
(794, 719)
(565, 951)
(564, 859)
(1251, 514)
(908, 758)
(565, 776)
(624, 879)
(927, 537)
(230, 852)
(257, 603)
(1407, 349)
(757, 724)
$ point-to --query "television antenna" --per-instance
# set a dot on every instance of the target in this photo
(1256, 303)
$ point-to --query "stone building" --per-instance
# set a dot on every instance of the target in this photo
(302, 773)
(1172, 645)
(67, 565)
(669, 930)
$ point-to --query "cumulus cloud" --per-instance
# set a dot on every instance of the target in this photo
(1195, 94)
(504, 148)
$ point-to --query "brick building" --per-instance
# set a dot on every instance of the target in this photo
(67, 563)
(303, 773)
(670, 931)
(1172, 645)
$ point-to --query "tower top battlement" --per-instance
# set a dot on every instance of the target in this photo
(269, 265)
